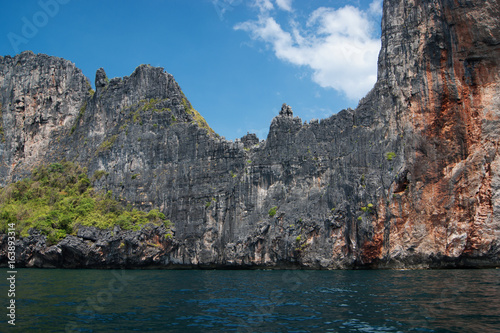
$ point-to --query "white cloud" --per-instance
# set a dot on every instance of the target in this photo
(264, 5)
(337, 44)
(284, 5)
(376, 8)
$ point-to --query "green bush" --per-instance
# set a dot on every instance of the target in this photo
(390, 155)
(272, 211)
(368, 208)
(107, 144)
(99, 174)
(155, 215)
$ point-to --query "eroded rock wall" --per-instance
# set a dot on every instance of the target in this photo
(448, 115)
(39, 101)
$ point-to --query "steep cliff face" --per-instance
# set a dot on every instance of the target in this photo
(448, 114)
(408, 179)
(40, 98)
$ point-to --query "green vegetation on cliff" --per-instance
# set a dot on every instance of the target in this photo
(272, 211)
(390, 155)
(107, 144)
(79, 117)
(59, 197)
(197, 117)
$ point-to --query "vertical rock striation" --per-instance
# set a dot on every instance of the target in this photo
(408, 179)
(445, 203)
(39, 100)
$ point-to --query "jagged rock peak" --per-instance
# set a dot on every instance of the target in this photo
(249, 140)
(286, 111)
(147, 72)
(145, 83)
(101, 79)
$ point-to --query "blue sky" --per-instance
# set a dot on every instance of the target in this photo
(237, 61)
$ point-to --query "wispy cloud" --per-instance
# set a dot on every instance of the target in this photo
(284, 5)
(264, 5)
(337, 44)
(376, 8)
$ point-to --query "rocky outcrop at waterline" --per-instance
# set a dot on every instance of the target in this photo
(408, 179)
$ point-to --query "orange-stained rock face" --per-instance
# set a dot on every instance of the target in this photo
(450, 116)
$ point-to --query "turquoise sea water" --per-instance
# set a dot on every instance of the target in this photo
(253, 301)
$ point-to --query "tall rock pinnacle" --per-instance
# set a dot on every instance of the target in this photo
(286, 111)
(101, 79)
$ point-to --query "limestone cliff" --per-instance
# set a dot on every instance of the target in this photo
(408, 179)
(446, 199)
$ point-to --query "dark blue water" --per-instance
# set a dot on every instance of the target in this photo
(254, 301)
